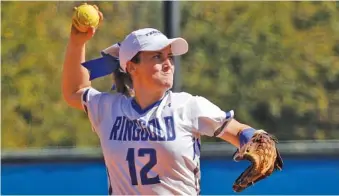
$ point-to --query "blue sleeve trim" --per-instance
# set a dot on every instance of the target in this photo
(84, 96)
(85, 99)
(229, 114)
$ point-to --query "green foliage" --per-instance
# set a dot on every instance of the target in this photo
(275, 63)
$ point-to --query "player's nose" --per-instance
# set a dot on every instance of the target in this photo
(167, 65)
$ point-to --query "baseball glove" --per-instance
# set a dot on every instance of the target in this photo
(261, 151)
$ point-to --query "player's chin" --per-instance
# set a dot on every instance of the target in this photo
(164, 81)
(166, 84)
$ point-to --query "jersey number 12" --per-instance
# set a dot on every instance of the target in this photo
(145, 169)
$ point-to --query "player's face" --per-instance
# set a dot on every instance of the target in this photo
(156, 69)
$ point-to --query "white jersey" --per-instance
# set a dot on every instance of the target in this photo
(153, 151)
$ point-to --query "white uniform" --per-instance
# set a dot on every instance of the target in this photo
(155, 150)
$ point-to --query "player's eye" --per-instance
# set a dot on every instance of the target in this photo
(171, 57)
(158, 56)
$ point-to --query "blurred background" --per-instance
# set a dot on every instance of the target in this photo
(275, 63)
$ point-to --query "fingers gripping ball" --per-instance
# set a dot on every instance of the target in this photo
(262, 152)
(85, 16)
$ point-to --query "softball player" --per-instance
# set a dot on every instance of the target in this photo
(149, 135)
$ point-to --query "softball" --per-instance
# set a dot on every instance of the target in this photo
(85, 16)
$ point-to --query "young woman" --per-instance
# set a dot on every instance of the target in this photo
(150, 136)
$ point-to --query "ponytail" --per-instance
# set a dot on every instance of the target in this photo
(123, 83)
(108, 64)
(123, 80)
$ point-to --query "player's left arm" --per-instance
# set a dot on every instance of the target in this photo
(231, 132)
(257, 146)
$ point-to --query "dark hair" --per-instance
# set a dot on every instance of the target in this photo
(136, 58)
(123, 80)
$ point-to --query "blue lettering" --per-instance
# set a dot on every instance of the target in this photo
(122, 128)
(136, 131)
(145, 132)
(125, 129)
(115, 128)
(153, 135)
(169, 121)
(128, 130)
(159, 131)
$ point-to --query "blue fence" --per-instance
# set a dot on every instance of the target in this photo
(300, 176)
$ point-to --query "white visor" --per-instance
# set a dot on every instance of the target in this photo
(148, 39)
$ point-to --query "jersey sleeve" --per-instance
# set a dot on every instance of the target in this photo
(91, 103)
(207, 118)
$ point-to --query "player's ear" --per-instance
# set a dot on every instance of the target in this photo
(130, 67)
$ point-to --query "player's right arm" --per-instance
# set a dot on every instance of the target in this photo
(75, 78)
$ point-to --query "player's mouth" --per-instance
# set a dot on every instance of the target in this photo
(167, 74)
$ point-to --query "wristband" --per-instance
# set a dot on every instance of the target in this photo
(245, 136)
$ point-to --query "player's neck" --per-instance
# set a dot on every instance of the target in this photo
(146, 98)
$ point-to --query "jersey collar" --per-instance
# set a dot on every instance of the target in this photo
(139, 110)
